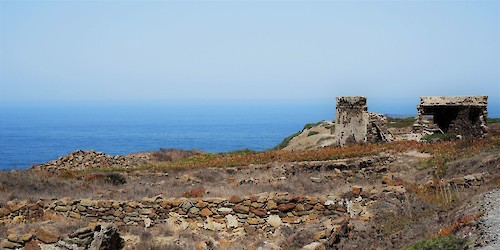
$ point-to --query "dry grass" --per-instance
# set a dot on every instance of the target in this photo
(217, 175)
(173, 154)
(443, 151)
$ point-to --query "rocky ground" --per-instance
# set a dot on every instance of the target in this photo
(398, 195)
(490, 221)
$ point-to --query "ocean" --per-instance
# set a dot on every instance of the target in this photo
(33, 134)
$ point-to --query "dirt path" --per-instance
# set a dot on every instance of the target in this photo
(491, 219)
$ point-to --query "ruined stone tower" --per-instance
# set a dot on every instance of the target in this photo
(351, 120)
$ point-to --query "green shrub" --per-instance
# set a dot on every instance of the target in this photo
(439, 137)
(115, 179)
(440, 242)
(493, 120)
(287, 140)
(313, 133)
(400, 122)
(310, 125)
(243, 151)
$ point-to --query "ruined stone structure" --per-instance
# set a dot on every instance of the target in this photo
(354, 124)
(351, 120)
(461, 115)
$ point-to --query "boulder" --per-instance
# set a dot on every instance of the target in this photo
(106, 238)
(47, 234)
(9, 244)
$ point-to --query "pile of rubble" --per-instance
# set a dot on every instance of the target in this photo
(81, 160)
(47, 237)
(377, 129)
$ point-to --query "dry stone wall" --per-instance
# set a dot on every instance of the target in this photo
(238, 215)
(264, 210)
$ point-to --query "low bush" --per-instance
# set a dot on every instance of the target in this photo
(173, 154)
(116, 179)
(311, 133)
(439, 137)
(112, 178)
(287, 140)
(241, 152)
(400, 122)
(441, 243)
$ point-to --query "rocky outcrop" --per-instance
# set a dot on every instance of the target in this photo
(80, 160)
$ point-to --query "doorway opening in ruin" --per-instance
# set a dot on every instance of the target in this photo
(455, 119)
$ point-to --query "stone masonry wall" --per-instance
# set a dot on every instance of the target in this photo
(351, 120)
(463, 115)
(265, 210)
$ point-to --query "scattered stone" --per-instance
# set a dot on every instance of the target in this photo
(10, 245)
(106, 238)
(19, 238)
(32, 245)
(356, 190)
(274, 220)
(47, 234)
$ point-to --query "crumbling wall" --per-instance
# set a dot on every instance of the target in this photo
(354, 124)
(351, 120)
(461, 115)
(377, 129)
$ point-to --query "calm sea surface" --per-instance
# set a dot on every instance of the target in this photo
(37, 134)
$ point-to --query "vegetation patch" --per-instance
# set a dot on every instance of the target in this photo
(439, 137)
(287, 140)
(440, 242)
(243, 151)
(311, 133)
(493, 120)
(173, 154)
(443, 152)
(400, 122)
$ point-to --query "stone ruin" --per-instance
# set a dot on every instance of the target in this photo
(354, 124)
(460, 115)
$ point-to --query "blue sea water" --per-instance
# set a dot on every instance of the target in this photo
(32, 134)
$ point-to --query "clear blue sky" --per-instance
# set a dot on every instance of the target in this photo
(135, 51)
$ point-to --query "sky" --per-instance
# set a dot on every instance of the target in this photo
(392, 52)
